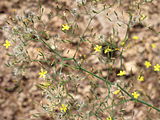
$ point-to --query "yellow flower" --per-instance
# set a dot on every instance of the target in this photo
(140, 78)
(116, 92)
(147, 64)
(42, 73)
(98, 48)
(135, 37)
(107, 50)
(157, 67)
(142, 17)
(64, 108)
(153, 45)
(121, 73)
(135, 95)
(7, 44)
(122, 43)
(65, 27)
(108, 118)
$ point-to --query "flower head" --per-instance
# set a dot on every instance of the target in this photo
(107, 50)
(157, 67)
(153, 45)
(143, 17)
(7, 44)
(42, 73)
(116, 92)
(121, 73)
(108, 118)
(135, 37)
(122, 43)
(64, 108)
(135, 95)
(65, 27)
(147, 64)
(140, 78)
(98, 48)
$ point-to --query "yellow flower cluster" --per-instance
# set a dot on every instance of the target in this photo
(148, 64)
(98, 48)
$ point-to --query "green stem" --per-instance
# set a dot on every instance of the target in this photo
(137, 100)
